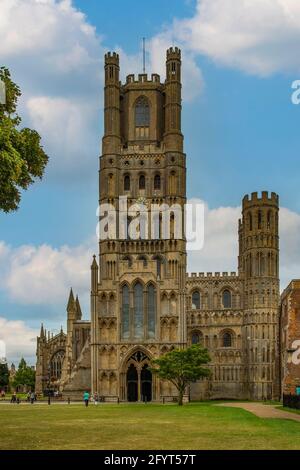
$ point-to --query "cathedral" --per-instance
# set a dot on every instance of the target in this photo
(143, 301)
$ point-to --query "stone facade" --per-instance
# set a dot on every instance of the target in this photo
(290, 338)
(143, 303)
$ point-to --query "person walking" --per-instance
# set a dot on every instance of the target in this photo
(32, 398)
(86, 397)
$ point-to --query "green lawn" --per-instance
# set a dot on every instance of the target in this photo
(151, 426)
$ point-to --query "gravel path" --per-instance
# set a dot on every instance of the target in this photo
(264, 411)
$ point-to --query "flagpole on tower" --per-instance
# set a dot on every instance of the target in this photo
(144, 56)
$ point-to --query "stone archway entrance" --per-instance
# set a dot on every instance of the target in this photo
(138, 378)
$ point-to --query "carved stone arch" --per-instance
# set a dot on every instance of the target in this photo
(103, 375)
(196, 337)
(130, 352)
(112, 384)
(227, 338)
(173, 303)
(226, 296)
(164, 303)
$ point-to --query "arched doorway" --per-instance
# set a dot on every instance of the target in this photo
(138, 378)
(132, 383)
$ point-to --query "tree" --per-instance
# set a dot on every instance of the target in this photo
(4, 375)
(182, 367)
(25, 376)
(22, 158)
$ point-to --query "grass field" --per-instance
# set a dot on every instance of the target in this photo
(157, 427)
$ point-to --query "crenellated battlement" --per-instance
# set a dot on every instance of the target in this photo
(143, 78)
(173, 53)
(216, 275)
(265, 198)
(111, 58)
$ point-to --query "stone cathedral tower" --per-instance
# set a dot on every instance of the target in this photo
(259, 266)
(143, 302)
(138, 289)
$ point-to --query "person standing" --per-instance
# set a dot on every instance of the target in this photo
(86, 397)
(14, 398)
(32, 398)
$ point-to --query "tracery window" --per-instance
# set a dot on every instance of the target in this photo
(142, 112)
(195, 300)
(56, 364)
(227, 299)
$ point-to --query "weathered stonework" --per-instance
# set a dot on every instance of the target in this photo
(143, 303)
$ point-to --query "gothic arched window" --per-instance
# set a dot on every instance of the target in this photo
(56, 364)
(259, 219)
(126, 183)
(138, 301)
(142, 112)
(142, 182)
(196, 337)
(227, 300)
(196, 300)
(159, 261)
(157, 182)
(269, 220)
(227, 340)
(250, 221)
(125, 312)
(151, 310)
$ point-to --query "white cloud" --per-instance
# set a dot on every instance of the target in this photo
(64, 123)
(43, 275)
(56, 57)
(220, 249)
(256, 36)
(36, 26)
(19, 339)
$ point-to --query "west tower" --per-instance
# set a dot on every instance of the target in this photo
(138, 284)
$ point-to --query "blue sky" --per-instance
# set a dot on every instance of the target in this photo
(241, 131)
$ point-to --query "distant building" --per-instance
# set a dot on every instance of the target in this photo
(290, 338)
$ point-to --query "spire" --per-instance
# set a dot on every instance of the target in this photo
(71, 307)
(78, 309)
(94, 263)
(61, 330)
(94, 275)
(42, 331)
